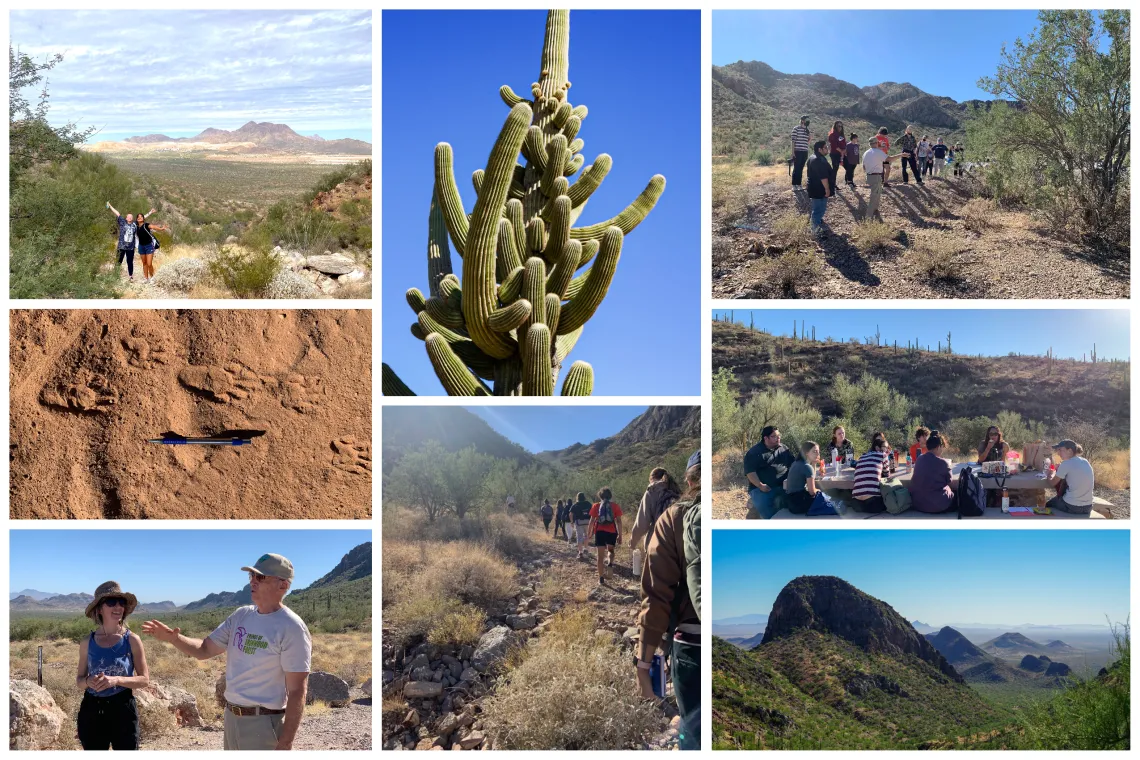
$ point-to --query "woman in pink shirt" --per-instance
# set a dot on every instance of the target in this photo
(838, 145)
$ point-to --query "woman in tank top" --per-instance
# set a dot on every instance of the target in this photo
(111, 664)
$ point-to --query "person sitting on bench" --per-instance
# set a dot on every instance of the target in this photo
(1073, 481)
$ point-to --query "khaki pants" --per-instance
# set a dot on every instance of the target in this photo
(252, 731)
(875, 182)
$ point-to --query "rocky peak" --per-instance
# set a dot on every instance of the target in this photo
(954, 646)
(1034, 664)
(656, 421)
(833, 606)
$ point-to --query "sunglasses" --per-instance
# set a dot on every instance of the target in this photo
(115, 602)
(258, 577)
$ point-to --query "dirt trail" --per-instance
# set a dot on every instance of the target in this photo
(337, 728)
(90, 387)
(1015, 258)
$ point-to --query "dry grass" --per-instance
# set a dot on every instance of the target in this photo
(1112, 470)
(727, 469)
(790, 274)
(980, 215)
(792, 230)
(346, 655)
(554, 584)
(570, 691)
(936, 256)
(872, 235)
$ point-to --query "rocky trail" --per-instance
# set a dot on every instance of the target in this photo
(444, 691)
(980, 250)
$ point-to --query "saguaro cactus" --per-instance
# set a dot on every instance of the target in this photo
(508, 324)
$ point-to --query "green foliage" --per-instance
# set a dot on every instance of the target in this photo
(246, 273)
(967, 432)
(725, 410)
(762, 157)
(464, 473)
(32, 140)
(1019, 432)
(872, 405)
(1072, 125)
(417, 480)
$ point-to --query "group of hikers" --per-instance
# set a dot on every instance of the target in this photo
(925, 157)
(135, 230)
(780, 479)
(667, 533)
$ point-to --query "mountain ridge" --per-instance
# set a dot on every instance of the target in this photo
(254, 136)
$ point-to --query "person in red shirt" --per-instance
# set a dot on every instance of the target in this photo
(918, 448)
(885, 144)
(838, 144)
(605, 527)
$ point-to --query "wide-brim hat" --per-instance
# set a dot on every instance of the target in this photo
(106, 591)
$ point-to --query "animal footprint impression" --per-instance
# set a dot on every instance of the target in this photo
(87, 394)
(141, 354)
(352, 457)
(232, 382)
(300, 393)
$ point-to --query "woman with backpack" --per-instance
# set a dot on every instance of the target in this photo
(547, 513)
(605, 527)
(580, 517)
(850, 160)
(661, 492)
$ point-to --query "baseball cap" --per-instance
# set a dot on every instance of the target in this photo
(272, 564)
(1066, 444)
(694, 460)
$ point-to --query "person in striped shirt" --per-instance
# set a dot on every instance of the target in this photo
(871, 468)
(800, 148)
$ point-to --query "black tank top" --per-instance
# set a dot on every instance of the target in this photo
(145, 238)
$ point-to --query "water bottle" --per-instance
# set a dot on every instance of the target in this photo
(1005, 500)
(657, 675)
(636, 562)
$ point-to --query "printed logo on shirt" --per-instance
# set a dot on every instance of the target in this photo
(250, 642)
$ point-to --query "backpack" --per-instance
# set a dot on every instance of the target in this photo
(852, 158)
(895, 496)
(605, 513)
(971, 498)
(547, 510)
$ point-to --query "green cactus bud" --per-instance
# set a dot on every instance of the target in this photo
(447, 192)
(391, 384)
(581, 112)
(415, 299)
(633, 215)
(577, 144)
(538, 379)
(579, 380)
(576, 313)
(514, 215)
(534, 290)
(553, 309)
(535, 236)
(439, 252)
(509, 97)
(479, 249)
(563, 272)
(559, 229)
(418, 332)
(510, 257)
(561, 186)
(589, 251)
(574, 164)
(441, 311)
(557, 154)
(590, 180)
(477, 180)
(534, 147)
(510, 317)
(457, 380)
(511, 287)
(563, 112)
(448, 286)
(573, 125)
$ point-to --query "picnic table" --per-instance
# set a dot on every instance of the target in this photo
(1022, 481)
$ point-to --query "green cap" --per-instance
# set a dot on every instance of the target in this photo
(272, 564)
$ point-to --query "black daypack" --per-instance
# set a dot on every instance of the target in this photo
(971, 496)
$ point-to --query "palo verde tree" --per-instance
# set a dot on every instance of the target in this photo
(418, 480)
(32, 139)
(506, 326)
(1071, 83)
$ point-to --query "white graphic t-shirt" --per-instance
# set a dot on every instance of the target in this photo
(260, 650)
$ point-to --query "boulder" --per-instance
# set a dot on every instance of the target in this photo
(412, 719)
(34, 719)
(472, 740)
(356, 275)
(336, 263)
(469, 674)
(447, 724)
(422, 689)
(419, 661)
(220, 690)
(328, 286)
(522, 622)
(492, 648)
(327, 688)
(180, 702)
(605, 635)
(366, 687)
(230, 239)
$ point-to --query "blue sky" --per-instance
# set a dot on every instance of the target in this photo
(131, 72)
(1071, 332)
(941, 577)
(549, 428)
(639, 74)
(159, 565)
(940, 52)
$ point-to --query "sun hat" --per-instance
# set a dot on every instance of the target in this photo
(272, 564)
(109, 590)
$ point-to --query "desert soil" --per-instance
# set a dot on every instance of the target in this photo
(334, 728)
(1018, 259)
(89, 387)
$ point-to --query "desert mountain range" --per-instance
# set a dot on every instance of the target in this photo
(251, 137)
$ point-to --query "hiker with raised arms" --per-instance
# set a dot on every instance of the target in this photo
(670, 616)
(127, 239)
(605, 527)
(580, 516)
(148, 243)
(268, 654)
(112, 663)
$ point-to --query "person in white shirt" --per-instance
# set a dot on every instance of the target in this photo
(1077, 475)
(873, 161)
(268, 655)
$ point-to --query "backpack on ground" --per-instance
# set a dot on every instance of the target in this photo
(971, 497)
(605, 513)
(895, 496)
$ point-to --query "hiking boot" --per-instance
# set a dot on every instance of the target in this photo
(601, 580)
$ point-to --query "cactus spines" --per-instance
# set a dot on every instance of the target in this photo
(529, 280)
(538, 380)
(391, 383)
(579, 380)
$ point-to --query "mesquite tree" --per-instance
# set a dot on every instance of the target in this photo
(506, 326)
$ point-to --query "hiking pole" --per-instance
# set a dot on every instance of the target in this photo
(210, 441)
(40, 666)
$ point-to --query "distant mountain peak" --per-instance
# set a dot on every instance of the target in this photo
(831, 605)
(955, 647)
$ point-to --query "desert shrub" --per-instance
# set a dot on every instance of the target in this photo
(791, 230)
(728, 469)
(1018, 431)
(1093, 435)
(182, 274)
(793, 415)
(872, 235)
(460, 626)
(980, 215)
(967, 432)
(470, 573)
(599, 706)
(1113, 469)
(870, 404)
(288, 284)
(763, 157)
(155, 719)
(791, 274)
(245, 273)
(935, 256)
